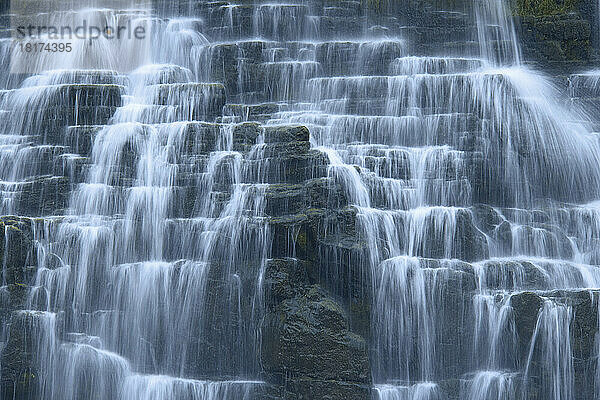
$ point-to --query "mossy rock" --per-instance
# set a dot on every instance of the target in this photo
(544, 7)
(308, 336)
(284, 279)
(16, 247)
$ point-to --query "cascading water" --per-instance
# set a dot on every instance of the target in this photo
(120, 275)
(473, 189)
(414, 203)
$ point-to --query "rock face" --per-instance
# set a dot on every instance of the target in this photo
(307, 344)
(18, 372)
(560, 36)
(557, 40)
(329, 199)
(582, 330)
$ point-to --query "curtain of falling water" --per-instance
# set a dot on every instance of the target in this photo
(414, 216)
(122, 296)
(121, 299)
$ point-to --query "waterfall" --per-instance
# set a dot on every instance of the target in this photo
(421, 391)
(438, 203)
(553, 337)
(496, 33)
(490, 385)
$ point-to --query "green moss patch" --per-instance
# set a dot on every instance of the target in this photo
(545, 7)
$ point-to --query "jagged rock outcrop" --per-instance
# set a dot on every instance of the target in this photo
(307, 345)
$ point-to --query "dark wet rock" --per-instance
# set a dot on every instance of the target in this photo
(502, 274)
(307, 344)
(583, 328)
(19, 375)
(16, 247)
(295, 167)
(486, 217)
(472, 242)
(483, 191)
(285, 134)
(319, 193)
(80, 138)
(295, 235)
(504, 235)
(51, 122)
(192, 101)
(252, 112)
(350, 27)
(493, 224)
(168, 74)
(280, 150)
(12, 297)
(285, 199)
(531, 216)
(219, 338)
(308, 389)
(455, 284)
(88, 95)
(584, 323)
(47, 195)
(285, 279)
(526, 307)
(245, 135)
(558, 42)
(225, 70)
(584, 331)
(200, 137)
(468, 242)
(300, 235)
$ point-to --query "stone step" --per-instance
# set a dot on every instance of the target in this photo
(286, 199)
(522, 273)
(423, 35)
(432, 130)
(358, 57)
(434, 65)
(52, 122)
(588, 104)
(35, 160)
(194, 101)
(563, 231)
(293, 168)
(64, 95)
(335, 27)
(406, 163)
(48, 110)
(79, 77)
(337, 11)
(252, 112)
(79, 138)
(420, 86)
(449, 48)
(44, 195)
(286, 134)
(430, 232)
(584, 85)
(161, 74)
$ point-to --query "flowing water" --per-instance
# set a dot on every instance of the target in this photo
(150, 255)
